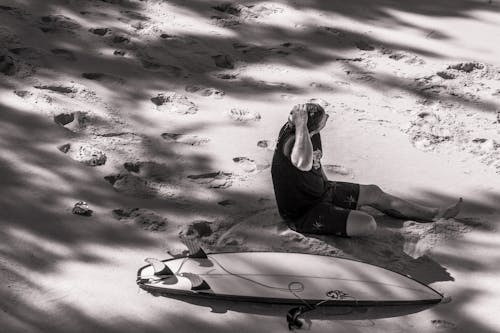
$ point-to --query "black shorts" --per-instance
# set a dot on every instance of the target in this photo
(329, 217)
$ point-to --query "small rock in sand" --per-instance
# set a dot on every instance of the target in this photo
(82, 208)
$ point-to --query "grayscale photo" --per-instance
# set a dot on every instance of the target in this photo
(249, 166)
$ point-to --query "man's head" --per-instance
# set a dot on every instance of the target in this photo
(316, 117)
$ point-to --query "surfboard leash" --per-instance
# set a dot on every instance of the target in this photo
(293, 316)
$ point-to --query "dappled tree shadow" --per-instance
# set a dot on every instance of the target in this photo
(45, 183)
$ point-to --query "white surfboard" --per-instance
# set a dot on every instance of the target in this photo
(284, 278)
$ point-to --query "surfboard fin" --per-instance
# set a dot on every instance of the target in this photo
(159, 267)
(198, 284)
(194, 247)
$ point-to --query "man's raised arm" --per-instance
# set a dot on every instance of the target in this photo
(302, 151)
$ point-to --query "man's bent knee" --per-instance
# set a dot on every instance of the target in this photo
(370, 194)
(360, 224)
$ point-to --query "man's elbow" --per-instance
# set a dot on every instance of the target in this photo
(303, 166)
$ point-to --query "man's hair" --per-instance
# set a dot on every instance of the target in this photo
(315, 114)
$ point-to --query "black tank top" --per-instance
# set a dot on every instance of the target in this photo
(296, 191)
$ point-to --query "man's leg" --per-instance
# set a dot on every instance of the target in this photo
(373, 196)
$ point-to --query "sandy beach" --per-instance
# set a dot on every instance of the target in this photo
(163, 116)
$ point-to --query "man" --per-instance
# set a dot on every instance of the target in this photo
(310, 203)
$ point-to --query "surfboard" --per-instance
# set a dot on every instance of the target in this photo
(283, 278)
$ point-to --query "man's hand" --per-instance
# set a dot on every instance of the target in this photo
(298, 115)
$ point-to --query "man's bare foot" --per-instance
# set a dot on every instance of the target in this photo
(449, 212)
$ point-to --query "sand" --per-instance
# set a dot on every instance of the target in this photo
(162, 116)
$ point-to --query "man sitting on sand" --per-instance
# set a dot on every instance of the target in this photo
(310, 203)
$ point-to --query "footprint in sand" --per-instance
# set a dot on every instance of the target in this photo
(64, 54)
(100, 31)
(28, 53)
(84, 153)
(152, 65)
(213, 92)
(97, 14)
(330, 30)
(57, 23)
(231, 14)
(428, 131)
(64, 118)
(243, 115)
(217, 179)
(466, 67)
(8, 66)
(320, 86)
(143, 218)
(446, 75)
(227, 202)
(103, 78)
(186, 139)
(59, 88)
(364, 46)
(119, 39)
(226, 76)
(411, 59)
(79, 121)
(442, 324)
(223, 61)
(18, 13)
(234, 14)
(174, 102)
(136, 186)
(267, 144)
(135, 15)
(149, 170)
(248, 165)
